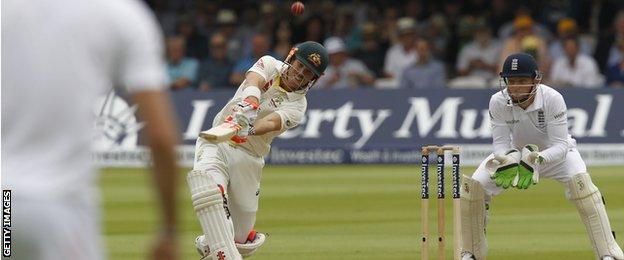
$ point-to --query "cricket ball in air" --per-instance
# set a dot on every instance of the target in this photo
(297, 8)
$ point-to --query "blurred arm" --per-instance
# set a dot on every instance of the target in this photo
(155, 110)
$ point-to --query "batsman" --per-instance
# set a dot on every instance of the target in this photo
(225, 180)
(531, 141)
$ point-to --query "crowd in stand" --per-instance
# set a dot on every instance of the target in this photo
(397, 44)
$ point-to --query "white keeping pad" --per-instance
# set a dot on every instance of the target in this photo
(588, 201)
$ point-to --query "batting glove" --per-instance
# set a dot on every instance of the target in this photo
(245, 113)
(528, 169)
(503, 169)
(246, 108)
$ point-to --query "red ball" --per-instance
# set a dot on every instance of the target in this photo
(297, 8)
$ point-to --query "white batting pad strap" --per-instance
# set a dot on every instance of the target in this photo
(588, 201)
(473, 218)
(208, 204)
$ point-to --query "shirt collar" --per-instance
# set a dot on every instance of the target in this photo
(292, 96)
(538, 103)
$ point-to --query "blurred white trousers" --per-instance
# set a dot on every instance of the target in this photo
(56, 229)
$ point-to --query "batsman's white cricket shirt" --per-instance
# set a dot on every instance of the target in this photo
(544, 123)
(289, 105)
(57, 58)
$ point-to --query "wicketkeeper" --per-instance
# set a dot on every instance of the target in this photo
(225, 180)
(531, 141)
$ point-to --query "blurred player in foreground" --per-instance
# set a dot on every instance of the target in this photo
(528, 116)
(225, 180)
(57, 58)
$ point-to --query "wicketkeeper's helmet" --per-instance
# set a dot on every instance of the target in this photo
(520, 65)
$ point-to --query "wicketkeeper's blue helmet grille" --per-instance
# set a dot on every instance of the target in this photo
(520, 65)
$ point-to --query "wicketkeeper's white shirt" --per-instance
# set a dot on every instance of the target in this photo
(543, 123)
(290, 106)
(57, 58)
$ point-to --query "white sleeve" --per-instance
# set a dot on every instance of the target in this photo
(556, 71)
(593, 77)
(557, 127)
(501, 132)
(291, 114)
(387, 62)
(266, 67)
(463, 61)
(140, 64)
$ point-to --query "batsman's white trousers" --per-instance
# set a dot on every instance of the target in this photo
(561, 171)
(239, 173)
(55, 229)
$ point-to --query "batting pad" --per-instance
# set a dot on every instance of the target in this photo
(588, 201)
(473, 218)
(208, 203)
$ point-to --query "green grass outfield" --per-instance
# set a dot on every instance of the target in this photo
(362, 212)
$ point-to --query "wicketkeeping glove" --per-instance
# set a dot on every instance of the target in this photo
(528, 169)
(503, 169)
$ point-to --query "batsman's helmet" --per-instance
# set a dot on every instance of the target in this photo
(520, 65)
(312, 54)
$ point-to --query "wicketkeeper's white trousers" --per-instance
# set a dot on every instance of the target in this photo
(561, 171)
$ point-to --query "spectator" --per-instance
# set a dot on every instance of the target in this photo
(373, 51)
(498, 14)
(389, 23)
(480, 57)
(268, 17)
(247, 28)
(575, 69)
(403, 53)
(226, 26)
(526, 40)
(195, 43)
(345, 28)
(615, 72)
(259, 48)
(427, 72)
(523, 12)
(343, 72)
(312, 29)
(606, 53)
(282, 42)
(436, 29)
(182, 70)
(566, 28)
(216, 69)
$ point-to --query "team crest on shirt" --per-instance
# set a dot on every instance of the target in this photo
(277, 101)
(541, 119)
(315, 58)
(116, 125)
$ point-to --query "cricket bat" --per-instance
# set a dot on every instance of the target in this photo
(220, 133)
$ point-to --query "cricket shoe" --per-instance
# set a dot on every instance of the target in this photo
(202, 247)
(609, 258)
(467, 256)
(253, 243)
